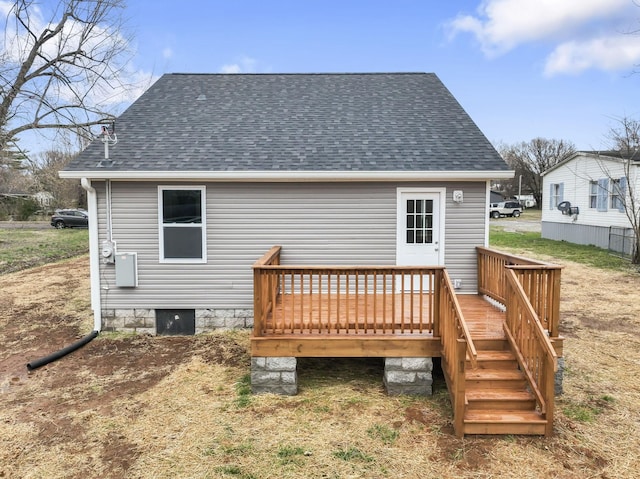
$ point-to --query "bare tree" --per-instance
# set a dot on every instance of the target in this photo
(44, 170)
(62, 65)
(530, 159)
(625, 142)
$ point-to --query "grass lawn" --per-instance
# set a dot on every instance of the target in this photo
(533, 244)
(23, 248)
(163, 407)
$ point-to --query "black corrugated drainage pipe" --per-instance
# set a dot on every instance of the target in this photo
(63, 352)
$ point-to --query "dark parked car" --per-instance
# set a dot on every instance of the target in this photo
(70, 219)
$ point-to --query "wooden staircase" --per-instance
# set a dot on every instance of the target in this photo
(497, 397)
(497, 400)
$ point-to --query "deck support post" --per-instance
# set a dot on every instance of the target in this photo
(410, 376)
(559, 378)
(275, 375)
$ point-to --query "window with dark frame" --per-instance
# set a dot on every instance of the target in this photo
(181, 224)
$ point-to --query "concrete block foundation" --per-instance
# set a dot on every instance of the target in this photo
(408, 376)
(275, 375)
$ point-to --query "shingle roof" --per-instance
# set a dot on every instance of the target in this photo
(296, 122)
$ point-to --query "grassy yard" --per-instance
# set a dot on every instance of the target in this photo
(24, 248)
(529, 243)
(163, 407)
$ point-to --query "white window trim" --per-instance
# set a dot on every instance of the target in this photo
(202, 225)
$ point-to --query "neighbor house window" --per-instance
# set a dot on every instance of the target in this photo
(618, 193)
(181, 218)
(555, 195)
(593, 194)
(602, 195)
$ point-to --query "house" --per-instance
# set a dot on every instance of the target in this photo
(584, 199)
(527, 201)
(376, 186)
(496, 197)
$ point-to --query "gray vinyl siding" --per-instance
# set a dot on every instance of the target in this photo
(578, 234)
(315, 223)
(465, 229)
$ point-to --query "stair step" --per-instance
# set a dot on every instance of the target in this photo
(494, 378)
(495, 360)
(503, 422)
(500, 399)
(492, 344)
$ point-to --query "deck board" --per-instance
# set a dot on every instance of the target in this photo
(484, 320)
(315, 315)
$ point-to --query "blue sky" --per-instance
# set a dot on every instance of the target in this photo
(522, 69)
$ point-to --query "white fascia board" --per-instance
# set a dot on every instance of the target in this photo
(290, 176)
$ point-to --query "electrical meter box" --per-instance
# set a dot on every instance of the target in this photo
(126, 270)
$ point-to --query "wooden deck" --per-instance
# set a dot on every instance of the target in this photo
(499, 357)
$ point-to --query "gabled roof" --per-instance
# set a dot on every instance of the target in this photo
(608, 155)
(297, 125)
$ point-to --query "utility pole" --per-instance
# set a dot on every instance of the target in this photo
(520, 189)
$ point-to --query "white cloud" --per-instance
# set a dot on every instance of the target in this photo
(167, 53)
(605, 53)
(503, 24)
(243, 65)
(5, 8)
(575, 26)
(233, 68)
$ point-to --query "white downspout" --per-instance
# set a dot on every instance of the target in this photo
(487, 198)
(94, 253)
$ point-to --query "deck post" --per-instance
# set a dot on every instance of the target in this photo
(408, 376)
(276, 375)
(257, 302)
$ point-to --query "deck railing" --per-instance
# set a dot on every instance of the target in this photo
(264, 288)
(457, 345)
(540, 281)
(344, 299)
(532, 346)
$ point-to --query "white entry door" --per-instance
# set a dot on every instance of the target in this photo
(419, 228)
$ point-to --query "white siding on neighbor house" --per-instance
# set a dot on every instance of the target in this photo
(575, 176)
(315, 223)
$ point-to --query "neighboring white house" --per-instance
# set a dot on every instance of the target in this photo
(528, 201)
(583, 200)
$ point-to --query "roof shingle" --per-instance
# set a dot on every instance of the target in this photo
(296, 122)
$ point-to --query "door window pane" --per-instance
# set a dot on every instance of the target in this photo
(419, 223)
(410, 208)
(410, 221)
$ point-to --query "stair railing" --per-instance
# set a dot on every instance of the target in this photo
(457, 345)
(531, 345)
(540, 280)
